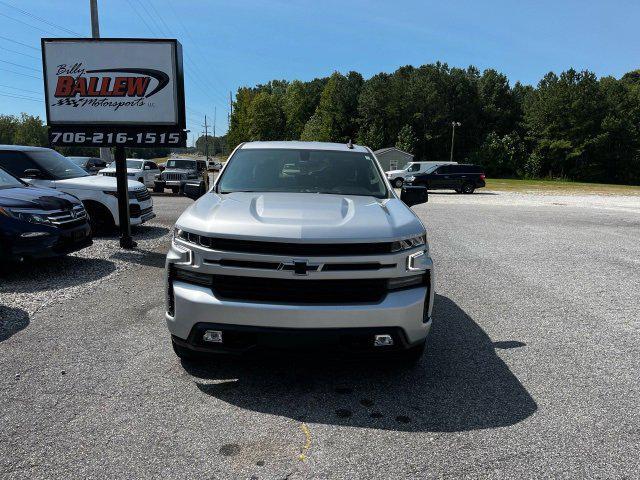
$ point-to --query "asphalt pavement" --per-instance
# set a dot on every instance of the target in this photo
(531, 370)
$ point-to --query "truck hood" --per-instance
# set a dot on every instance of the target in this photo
(178, 170)
(300, 217)
(95, 182)
(37, 198)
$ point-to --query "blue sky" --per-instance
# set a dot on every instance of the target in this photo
(229, 44)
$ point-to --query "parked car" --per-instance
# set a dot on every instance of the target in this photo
(39, 222)
(43, 167)
(324, 254)
(144, 171)
(91, 165)
(398, 177)
(463, 178)
(214, 166)
(180, 170)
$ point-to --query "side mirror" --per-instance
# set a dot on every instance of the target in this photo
(194, 190)
(32, 173)
(414, 195)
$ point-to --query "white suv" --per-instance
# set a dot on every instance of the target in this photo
(300, 244)
(144, 171)
(44, 167)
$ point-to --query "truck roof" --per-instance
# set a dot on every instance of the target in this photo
(296, 145)
(22, 148)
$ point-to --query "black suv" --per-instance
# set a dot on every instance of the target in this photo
(39, 222)
(463, 178)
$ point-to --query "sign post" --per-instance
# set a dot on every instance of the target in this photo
(115, 92)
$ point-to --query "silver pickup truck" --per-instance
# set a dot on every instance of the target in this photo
(300, 245)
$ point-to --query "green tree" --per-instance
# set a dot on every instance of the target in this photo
(407, 139)
(8, 126)
(266, 121)
(30, 131)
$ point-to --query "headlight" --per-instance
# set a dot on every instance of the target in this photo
(409, 243)
(411, 179)
(26, 216)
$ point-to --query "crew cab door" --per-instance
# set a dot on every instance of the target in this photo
(150, 170)
(440, 178)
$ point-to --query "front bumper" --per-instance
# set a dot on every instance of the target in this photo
(53, 245)
(405, 312)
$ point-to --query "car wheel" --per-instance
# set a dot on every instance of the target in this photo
(186, 353)
(175, 190)
(468, 188)
(100, 218)
(398, 182)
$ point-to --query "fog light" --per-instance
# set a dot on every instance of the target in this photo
(383, 341)
(212, 336)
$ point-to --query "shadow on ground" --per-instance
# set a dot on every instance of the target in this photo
(12, 320)
(460, 384)
(145, 258)
(53, 273)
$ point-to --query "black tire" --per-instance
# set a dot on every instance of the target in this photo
(100, 218)
(398, 182)
(185, 353)
(175, 190)
(158, 188)
(468, 188)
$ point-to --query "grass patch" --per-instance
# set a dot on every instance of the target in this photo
(556, 186)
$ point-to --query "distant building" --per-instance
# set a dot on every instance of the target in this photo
(392, 158)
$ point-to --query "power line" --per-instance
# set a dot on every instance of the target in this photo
(130, 2)
(18, 53)
(148, 15)
(21, 66)
(20, 97)
(29, 25)
(21, 89)
(40, 19)
(19, 43)
(19, 73)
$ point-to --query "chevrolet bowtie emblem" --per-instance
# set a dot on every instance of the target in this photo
(299, 267)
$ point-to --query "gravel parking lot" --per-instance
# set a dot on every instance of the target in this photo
(531, 370)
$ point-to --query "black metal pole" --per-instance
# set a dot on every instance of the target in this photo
(126, 241)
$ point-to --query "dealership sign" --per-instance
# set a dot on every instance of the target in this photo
(110, 92)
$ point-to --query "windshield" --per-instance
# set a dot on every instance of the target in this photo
(9, 181)
(80, 161)
(302, 171)
(56, 165)
(185, 164)
(133, 164)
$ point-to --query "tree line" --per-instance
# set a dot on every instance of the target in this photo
(572, 125)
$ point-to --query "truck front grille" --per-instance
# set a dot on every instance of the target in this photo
(68, 218)
(142, 195)
(289, 249)
(279, 290)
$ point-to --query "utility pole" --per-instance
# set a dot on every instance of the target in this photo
(126, 241)
(215, 114)
(105, 153)
(453, 135)
(206, 139)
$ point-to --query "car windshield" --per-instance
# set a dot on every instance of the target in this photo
(303, 171)
(133, 164)
(184, 164)
(9, 181)
(80, 161)
(59, 167)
